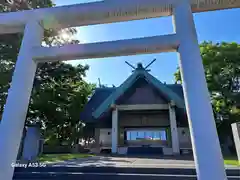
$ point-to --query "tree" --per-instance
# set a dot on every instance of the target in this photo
(222, 70)
(58, 97)
(59, 91)
(10, 43)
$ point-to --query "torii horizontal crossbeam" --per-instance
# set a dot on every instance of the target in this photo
(103, 12)
(155, 44)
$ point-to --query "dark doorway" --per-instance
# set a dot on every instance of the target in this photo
(144, 150)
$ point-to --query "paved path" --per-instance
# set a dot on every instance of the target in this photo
(118, 168)
(99, 161)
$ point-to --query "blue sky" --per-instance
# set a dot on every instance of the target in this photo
(214, 26)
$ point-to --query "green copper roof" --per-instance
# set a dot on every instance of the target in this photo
(138, 73)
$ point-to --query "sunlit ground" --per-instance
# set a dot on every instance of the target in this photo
(63, 157)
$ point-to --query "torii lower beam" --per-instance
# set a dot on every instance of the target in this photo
(155, 44)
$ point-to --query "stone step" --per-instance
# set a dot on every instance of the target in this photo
(129, 170)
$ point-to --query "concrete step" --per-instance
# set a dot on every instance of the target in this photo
(77, 172)
(109, 176)
(112, 176)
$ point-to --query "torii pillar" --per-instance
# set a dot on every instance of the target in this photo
(206, 147)
(16, 108)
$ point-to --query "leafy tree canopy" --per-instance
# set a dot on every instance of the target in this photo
(222, 70)
(59, 90)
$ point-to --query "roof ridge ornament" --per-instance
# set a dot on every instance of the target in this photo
(140, 66)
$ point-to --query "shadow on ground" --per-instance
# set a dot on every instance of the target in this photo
(94, 161)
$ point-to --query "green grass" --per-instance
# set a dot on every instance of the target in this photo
(231, 161)
(61, 157)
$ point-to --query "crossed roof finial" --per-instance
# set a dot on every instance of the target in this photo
(140, 65)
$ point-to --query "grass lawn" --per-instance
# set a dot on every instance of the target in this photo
(231, 161)
(61, 157)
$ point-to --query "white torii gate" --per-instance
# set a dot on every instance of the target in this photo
(206, 148)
